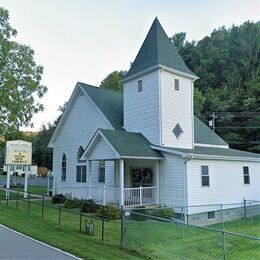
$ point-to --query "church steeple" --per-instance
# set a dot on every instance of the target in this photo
(157, 49)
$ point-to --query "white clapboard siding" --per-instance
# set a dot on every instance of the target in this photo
(171, 176)
(226, 183)
(77, 130)
(141, 109)
(176, 107)
(101, 151)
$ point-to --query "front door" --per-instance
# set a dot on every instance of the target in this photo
(142, 177)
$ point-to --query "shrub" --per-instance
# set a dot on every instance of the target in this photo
(4, 173)
(58, 198)
(166, 213)
(23, 175)
(72, 204)
(89, 206)
(109, 212)
(140, 210)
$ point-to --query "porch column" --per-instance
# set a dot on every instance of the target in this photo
(89, 178)
(121, 177)
(157, 181)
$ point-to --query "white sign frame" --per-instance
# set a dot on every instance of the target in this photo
(18, 152)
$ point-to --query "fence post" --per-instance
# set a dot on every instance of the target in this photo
(80, 217)
(182, 222)
(103, 222)
(29, 201)
(104, 195)
(244, 208)
(122, 242)
(223, 234)
(140, 194)
(59, 211)
(42, 207)
(17, 199)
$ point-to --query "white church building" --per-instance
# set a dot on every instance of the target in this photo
(145, 146)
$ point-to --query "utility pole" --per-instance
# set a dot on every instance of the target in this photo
(212, 122)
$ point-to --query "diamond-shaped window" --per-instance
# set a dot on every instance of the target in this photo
(177, 130)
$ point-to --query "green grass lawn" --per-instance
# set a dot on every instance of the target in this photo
(149, 239)
(67, 236)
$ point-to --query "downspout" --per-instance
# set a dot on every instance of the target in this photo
(185, 186)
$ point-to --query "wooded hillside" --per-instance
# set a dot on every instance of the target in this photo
(227, 63)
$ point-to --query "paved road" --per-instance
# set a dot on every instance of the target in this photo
(16, 246)
(31, 181)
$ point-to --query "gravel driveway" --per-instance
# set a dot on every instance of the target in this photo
(31, 181)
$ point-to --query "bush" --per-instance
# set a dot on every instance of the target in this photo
(140, 210)
(58, 198)
(23, 175)
(165, 213)
(4, 173)
(109, 212)
(89, 206)
(72, 204)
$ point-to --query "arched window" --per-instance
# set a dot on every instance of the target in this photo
(81, 168)
(79, 155)
(63, 168)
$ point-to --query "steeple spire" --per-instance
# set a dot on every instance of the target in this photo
(157, 49)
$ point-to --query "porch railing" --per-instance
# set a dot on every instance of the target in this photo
(140, 196)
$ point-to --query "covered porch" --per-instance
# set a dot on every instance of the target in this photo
(135, 171)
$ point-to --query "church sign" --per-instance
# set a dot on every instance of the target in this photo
(18, 153)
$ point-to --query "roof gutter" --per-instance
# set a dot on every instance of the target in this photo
(163, 68)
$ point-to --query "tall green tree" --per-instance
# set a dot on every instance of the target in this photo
(20, 79)
(112, 81)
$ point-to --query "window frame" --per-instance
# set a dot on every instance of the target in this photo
(140, 86)
(81, 167)
(211, 217)
(204, 176)
(181, 131)
(246, 175)
(63, 167)
(102, 172)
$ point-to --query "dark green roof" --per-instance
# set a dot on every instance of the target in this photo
(218, 152)
(157, 49)
(130, 144)
(204, 135)
(109, 102)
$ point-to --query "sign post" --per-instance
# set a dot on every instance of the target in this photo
(18, 153)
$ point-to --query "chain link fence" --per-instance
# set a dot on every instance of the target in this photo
(168, 233)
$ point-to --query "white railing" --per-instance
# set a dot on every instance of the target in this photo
(103, 194)
(140, 196)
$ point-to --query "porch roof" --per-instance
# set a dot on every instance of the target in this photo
(124, 144)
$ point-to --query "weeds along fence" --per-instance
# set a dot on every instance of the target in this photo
(86, 216)
(161, 233)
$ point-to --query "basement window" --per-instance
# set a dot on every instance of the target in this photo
(140, 85)
(211, 214)
(177, 84)
(246, 175)
(205, 176)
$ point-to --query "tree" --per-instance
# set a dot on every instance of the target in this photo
(112, 81)
(20, 78)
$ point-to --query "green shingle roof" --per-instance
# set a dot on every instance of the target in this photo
(157, 49)
(204, 135)
(130, 144)
(218, 152)
(109, 102)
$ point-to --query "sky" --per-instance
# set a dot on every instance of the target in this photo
(84, 40)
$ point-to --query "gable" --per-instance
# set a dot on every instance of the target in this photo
(79, 121)
(101, 150)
